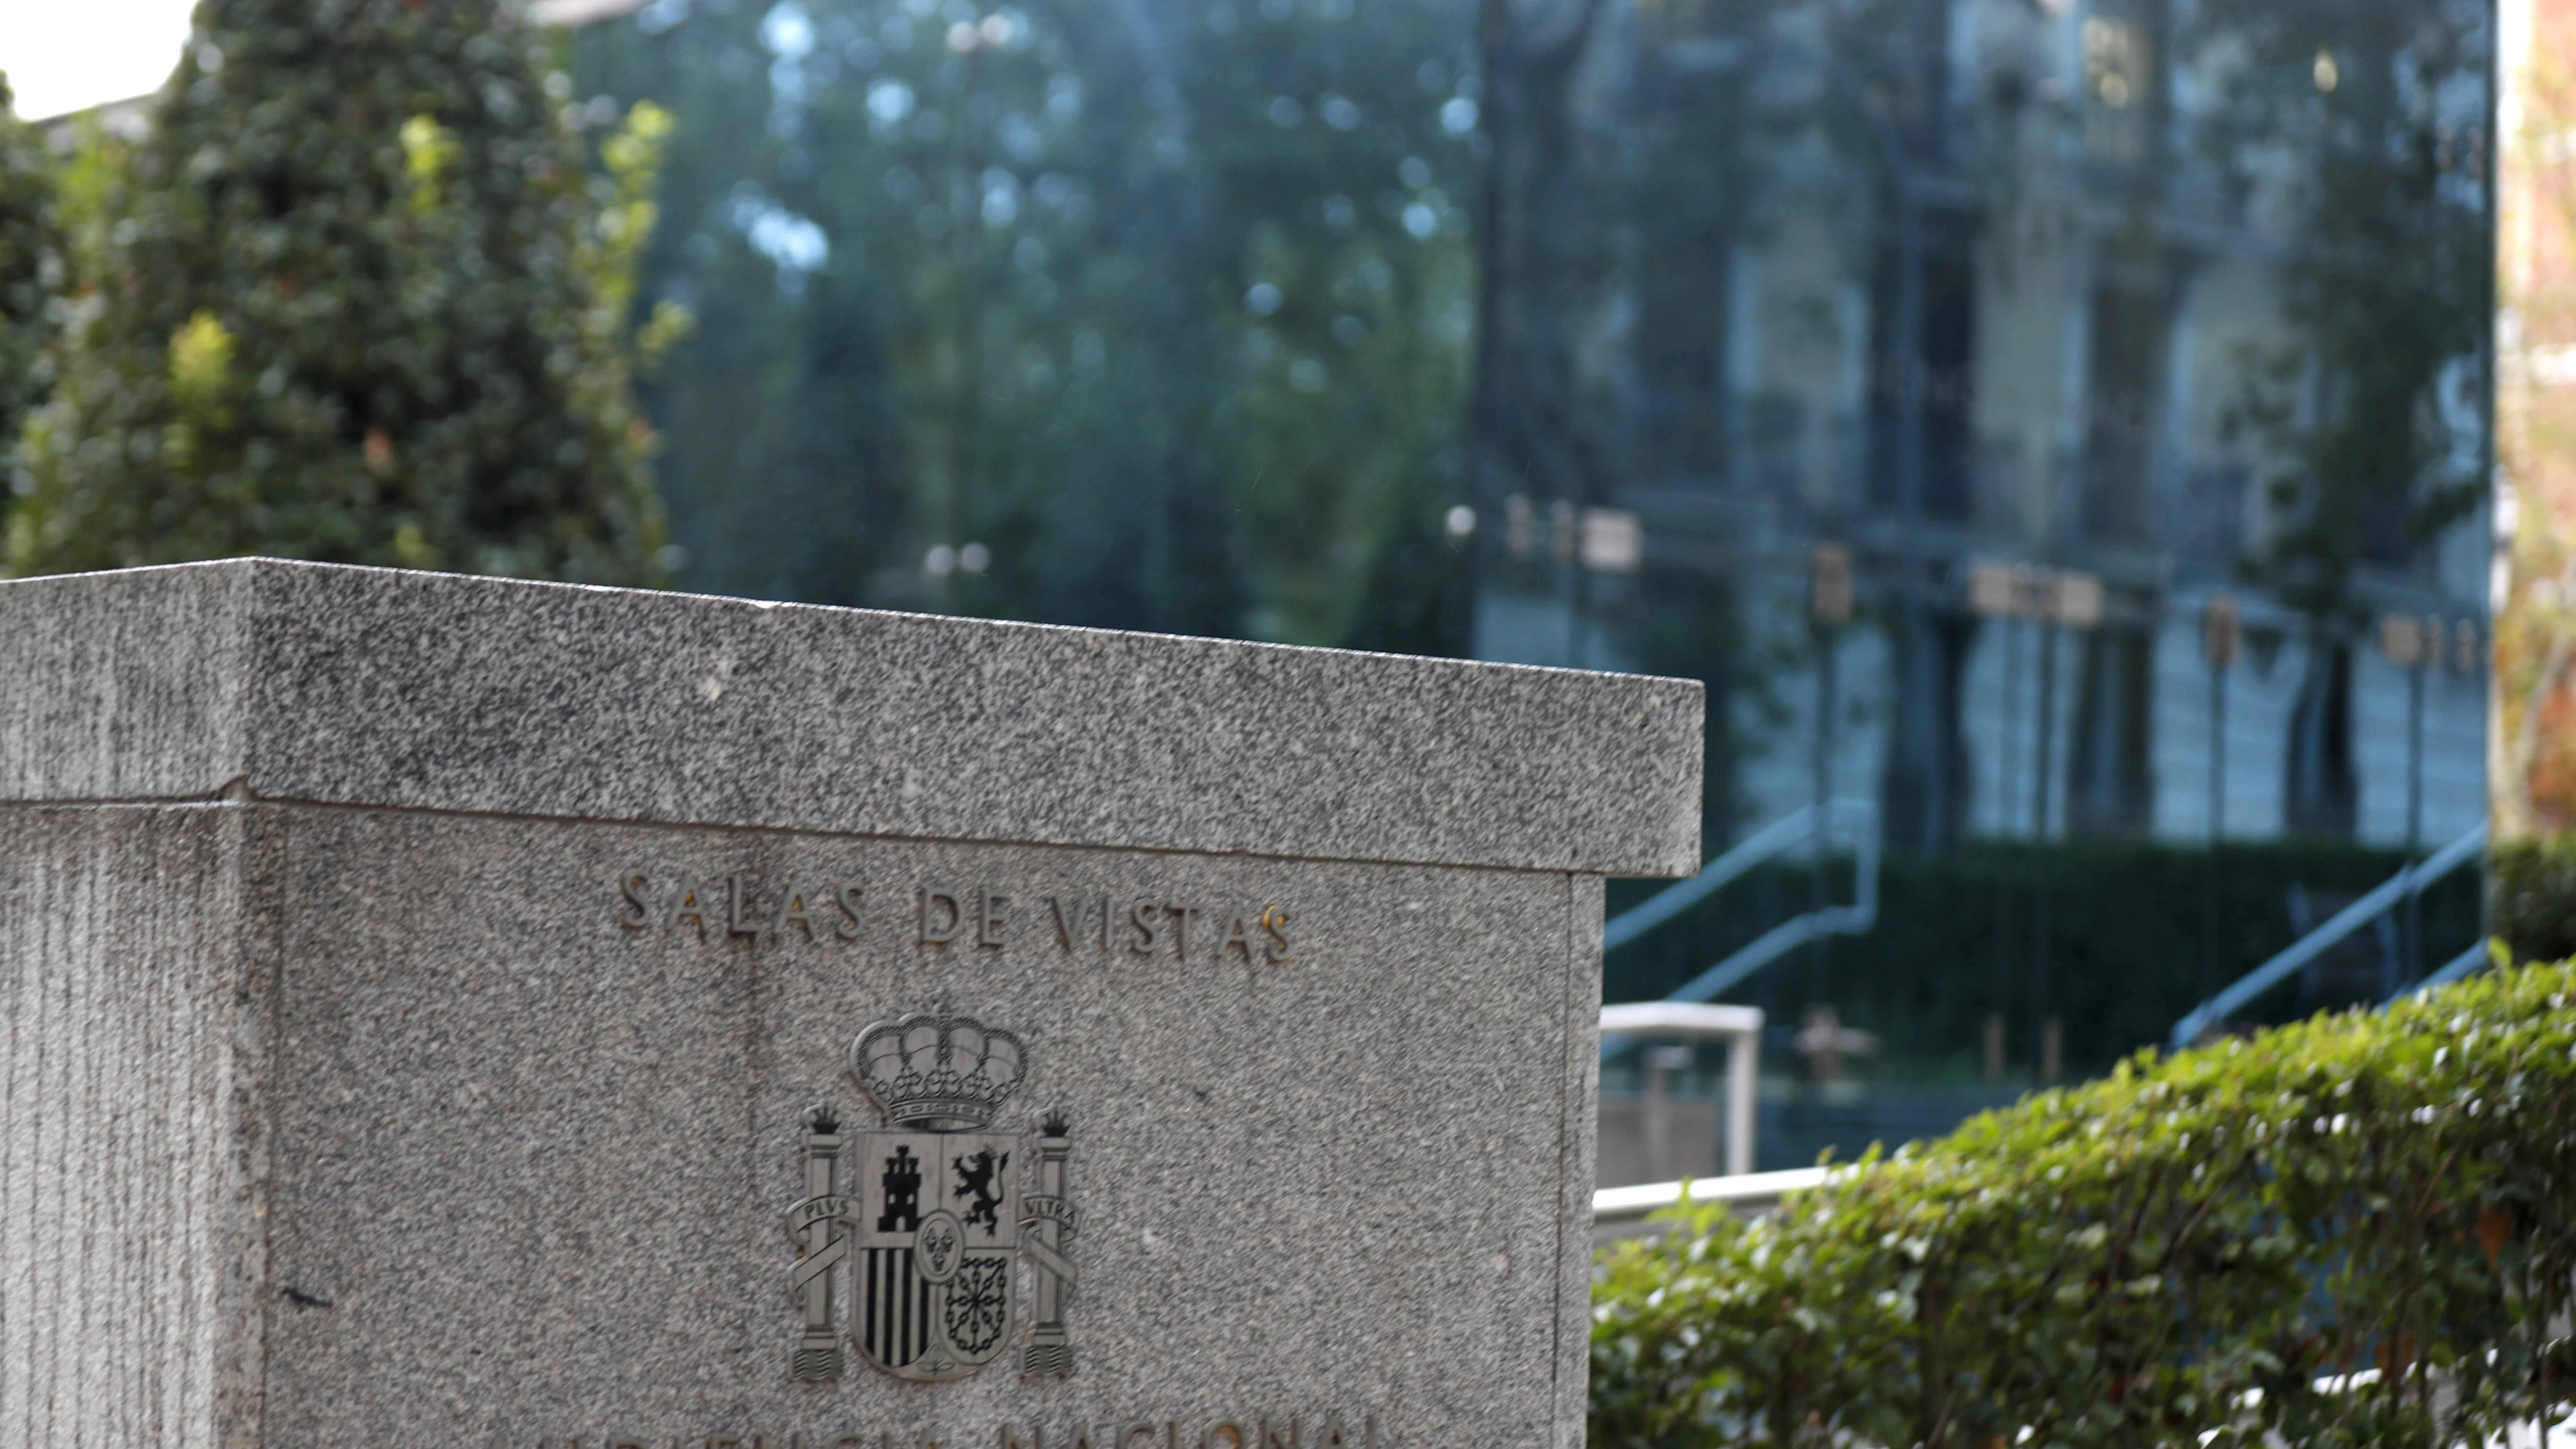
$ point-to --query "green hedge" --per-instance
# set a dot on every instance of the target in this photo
(2532, 892)
(2187, 1246)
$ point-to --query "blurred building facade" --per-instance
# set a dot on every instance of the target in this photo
(1973, 348)
(2066, 321)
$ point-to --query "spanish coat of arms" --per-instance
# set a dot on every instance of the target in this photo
(920, 1243)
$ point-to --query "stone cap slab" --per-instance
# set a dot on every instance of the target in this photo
(380, 687)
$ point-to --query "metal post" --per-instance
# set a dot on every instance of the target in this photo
(2008, 716)
(1565, 545)
(2414, 645)
(965, 202)
(1921, 641)
(2219, 636)
(2039, 945)
(1743, 1064)
(1816, 892)
(1909, 321)
(2007, 771)
(1578, 603)
(1660, 1063)
(2217, 828)
(2413, 929)
(2044, 775)
(1829, 606)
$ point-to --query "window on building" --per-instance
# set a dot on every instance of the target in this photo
(2111, 787)
(2120, 100)
(2319, 780)
(2123, 406)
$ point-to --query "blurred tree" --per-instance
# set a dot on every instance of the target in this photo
(30, 265)
(2533, 768)
(2356, 127)
(2371, 411)
(363, 301)
(1165, 312)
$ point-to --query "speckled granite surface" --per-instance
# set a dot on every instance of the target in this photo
(384, 1098)
(431, 691)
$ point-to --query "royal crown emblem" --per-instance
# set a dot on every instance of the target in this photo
(938, 1073)
(926, 1237)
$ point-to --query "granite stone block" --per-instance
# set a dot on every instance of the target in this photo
(416, 993)
(134, 992)
(432, 691)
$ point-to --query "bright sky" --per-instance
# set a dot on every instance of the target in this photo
(69, 55)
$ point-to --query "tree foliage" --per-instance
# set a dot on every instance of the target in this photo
(1165, 308)
(2531, 894)
(2357, 1230)
(364, 300)
(2534, 760)
(2345, 126)
(30, 262)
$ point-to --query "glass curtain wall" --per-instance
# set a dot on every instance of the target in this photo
(2055, 430)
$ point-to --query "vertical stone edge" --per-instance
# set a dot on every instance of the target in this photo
(1579, 1142)
(258, 846)
(129, 686)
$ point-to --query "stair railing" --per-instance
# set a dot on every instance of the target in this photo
(2383, 898)
(1801, 827)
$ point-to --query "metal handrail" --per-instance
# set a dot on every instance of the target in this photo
(1857, 919)
(1620, 1212)
(1775, 839)
(2452, 970)
(1740, 1027)
(2408, 882)
(1772, 839)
